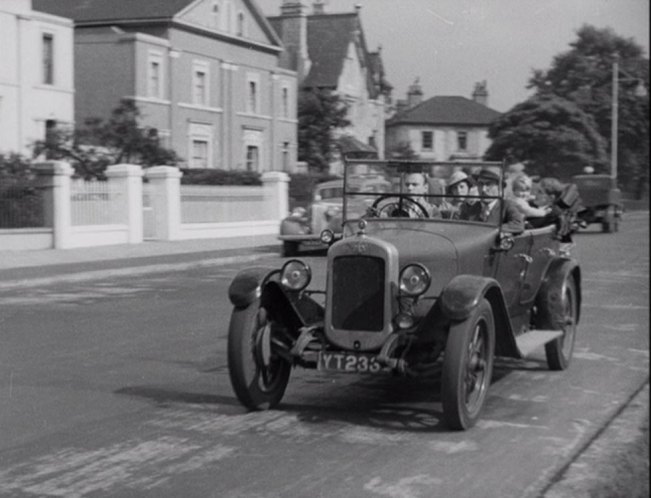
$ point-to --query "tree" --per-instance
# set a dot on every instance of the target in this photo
(100, 143)
(551, 134)
(320, 112)
(583, 75)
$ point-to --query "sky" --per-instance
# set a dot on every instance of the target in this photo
(452, 44)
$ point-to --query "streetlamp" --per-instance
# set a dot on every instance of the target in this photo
(639, 91)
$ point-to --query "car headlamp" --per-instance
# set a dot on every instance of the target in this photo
(295, 275)
(327, 236)
(414, 280)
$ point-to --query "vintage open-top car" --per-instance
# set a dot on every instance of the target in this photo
(409, 290)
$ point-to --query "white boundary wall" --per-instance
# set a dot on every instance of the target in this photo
(270, 206)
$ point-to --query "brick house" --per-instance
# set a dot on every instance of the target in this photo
(205, 73)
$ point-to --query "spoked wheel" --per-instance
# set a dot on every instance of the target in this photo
(468, 367)
(258, 376)
(559, 351)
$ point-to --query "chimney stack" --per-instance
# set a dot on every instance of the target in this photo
(415, 94)
(318, 7)
(294, 35)
(480, 94)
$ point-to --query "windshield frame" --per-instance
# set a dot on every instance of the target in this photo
(397, 190)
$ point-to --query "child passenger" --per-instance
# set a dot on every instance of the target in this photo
(521, 195)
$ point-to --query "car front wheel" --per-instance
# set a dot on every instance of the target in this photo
(258, 376)
(468, 367)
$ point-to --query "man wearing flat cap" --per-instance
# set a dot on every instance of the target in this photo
(488, 209)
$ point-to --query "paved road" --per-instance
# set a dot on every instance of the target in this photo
(118, 387)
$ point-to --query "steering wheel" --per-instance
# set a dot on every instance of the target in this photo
(396, 208)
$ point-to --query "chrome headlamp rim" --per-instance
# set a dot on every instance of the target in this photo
(327, 236)
(295, 275)
(416, 284)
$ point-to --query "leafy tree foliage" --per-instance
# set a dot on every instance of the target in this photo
(100, 143)
(583, 75)
(551, 134)
(320, 112)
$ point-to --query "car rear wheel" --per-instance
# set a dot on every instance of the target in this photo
(289, 249)
(258, 376)
(468, 367)
(559, 351)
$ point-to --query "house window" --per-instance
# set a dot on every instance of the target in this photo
(285, 102)
(252, 157)
(48, 59)
(199, 153)
(285, 153)
(214, 14)
(200, 145)
(252, 94)
(427, 138)
(200, 82)
(155, 76)
(241, 24)
(462, 140)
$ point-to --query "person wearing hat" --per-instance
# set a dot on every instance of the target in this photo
(488, 209)
(459, 186)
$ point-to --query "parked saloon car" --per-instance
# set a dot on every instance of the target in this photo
(413, 296)
(303, 227)
(601, 201)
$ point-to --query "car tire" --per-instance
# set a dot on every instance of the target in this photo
(290, 249)
(559, 351)
(257, 386)
(468, 367)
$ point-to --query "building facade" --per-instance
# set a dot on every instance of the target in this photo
(36, 75)
(442, 128)
(205, 73)
(329, 51)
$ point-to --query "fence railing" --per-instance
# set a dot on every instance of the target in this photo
(95, 203)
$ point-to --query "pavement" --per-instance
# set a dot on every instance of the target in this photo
(20, 269)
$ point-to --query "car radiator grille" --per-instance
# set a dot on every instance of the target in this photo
(358, 293)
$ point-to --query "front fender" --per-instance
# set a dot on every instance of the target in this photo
(294, 226)
(246, 286)
(551, 287)
(463, 294)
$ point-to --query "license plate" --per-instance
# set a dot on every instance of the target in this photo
(349, 362)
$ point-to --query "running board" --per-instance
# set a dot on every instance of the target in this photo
(530, 341)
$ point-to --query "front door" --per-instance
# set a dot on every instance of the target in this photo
(511, 271)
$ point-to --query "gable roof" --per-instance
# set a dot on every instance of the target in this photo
(103, 12)
(112, 10)
(446, 110)
(328, 39)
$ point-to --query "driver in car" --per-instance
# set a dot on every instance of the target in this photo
(416, 186)
(488, 210)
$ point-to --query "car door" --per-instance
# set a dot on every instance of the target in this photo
(511, 270)
(542, 250)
